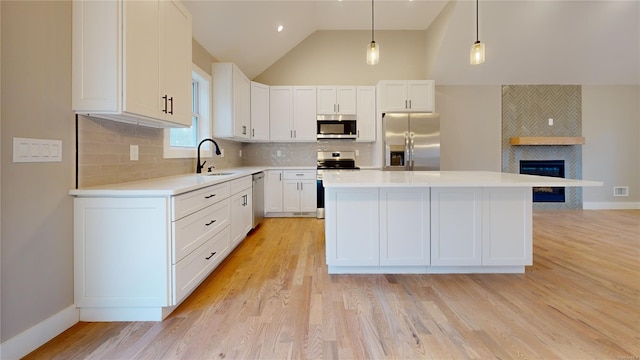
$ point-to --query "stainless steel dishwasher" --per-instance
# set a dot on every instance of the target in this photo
(258, 198)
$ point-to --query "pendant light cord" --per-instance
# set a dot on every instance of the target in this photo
(477, 36)
(372, 18)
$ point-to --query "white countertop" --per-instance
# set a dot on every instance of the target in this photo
(377, 178)
(174, 185)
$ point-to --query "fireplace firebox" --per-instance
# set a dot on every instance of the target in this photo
(554, 168)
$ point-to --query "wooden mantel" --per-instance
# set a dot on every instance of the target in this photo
(547, 140)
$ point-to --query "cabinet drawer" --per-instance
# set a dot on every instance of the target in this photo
(188, 203)
(241, 184)
(299, 175)
(193, 230)
(190, 271)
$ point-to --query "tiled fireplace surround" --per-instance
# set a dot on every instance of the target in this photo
(526, 110)
(104, 145)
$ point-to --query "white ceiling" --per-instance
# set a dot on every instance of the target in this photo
(528, 41)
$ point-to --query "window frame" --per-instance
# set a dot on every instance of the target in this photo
(204, 121)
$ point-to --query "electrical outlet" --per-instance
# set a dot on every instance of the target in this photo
(133, 152)
(357, 152)
(278, 153)
(550, 122)
(221, 152)
(240, 152)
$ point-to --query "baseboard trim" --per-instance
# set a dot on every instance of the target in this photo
(36, 336)
(611, 205)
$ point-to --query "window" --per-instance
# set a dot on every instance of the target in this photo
(183, 142)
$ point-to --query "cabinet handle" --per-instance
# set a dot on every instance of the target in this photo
(211, 222)
(301, 186)
(291, 134)
(165, 104)
(210, 196)
(297, 186)
(295, 134)
(253, 132)
(338, 107)
(299, 174)
(358, 133)
(409, 104)
(244, 130)
(334, 108)
(405, 104)
(171, 99)
(210, 256)
(280, 176)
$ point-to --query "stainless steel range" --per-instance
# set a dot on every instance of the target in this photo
(332, 161)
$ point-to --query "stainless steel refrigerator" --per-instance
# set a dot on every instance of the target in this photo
(411, 141)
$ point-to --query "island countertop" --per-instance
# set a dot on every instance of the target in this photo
(378, 178)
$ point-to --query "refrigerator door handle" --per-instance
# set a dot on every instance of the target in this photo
(407, 152)
(412, 147)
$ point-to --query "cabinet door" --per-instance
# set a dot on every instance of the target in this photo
(304, 113)
(346, 99)
(308, 196)
(420, 94)
(456, 226)
(326, 100)
(176, 62)
(366, 113)
(273, 191)
(241, 104)
(352, 220)
(142, 54)
(281, 113)
(237, 214)
(393, 95)
(404, 226)
(259, 112)
(291, 196)
(506, 226)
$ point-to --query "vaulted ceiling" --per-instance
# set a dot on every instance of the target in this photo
(528, 41)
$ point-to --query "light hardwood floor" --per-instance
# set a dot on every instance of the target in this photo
(273, 299)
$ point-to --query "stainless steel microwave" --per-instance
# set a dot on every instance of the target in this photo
(337, 127)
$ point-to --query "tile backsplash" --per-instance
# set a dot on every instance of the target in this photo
(103, 153)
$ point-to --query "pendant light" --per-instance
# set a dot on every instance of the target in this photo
(477, 49)
(373, 49)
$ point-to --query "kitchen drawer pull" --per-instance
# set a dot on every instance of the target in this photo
(165, 104)
(210, 256)
(209, 196)
(299, 174)
(211, 222)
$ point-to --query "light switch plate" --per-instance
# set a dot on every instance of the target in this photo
(36, 150)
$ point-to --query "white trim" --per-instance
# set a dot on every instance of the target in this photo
(205, 122)
(34, 337)
(627, 205)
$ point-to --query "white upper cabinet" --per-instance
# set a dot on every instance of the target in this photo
(131, 61)
(231, 102)
(292, 113)
(259, 112)
(336, 100)
(366, 113)
(406, 95)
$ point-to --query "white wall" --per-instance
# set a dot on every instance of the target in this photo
(611, 126)
(37, 212)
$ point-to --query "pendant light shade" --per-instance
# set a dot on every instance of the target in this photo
(477, 49)
(373, 53)
(373, 49)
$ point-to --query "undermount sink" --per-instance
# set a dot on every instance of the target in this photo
(218, 173)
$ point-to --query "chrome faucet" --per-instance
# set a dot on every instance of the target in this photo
(200, 166)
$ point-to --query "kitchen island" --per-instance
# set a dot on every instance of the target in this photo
(431, 221)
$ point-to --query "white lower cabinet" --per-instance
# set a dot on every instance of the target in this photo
(352, 227)
(137, 258)
(481, 226)
(456, 226)
(241, 209)
(404, 226)
(291, 192)
(299, 191)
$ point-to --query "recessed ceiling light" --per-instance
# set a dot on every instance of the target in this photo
(280, 28)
